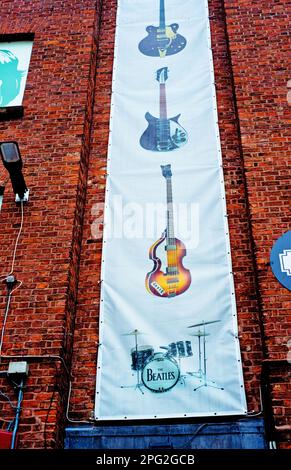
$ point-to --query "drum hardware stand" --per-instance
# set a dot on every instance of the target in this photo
(201, 374)
(139, 384)
(182, 376)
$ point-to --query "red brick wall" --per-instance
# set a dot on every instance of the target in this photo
(54, 138)
(258, 38)
(250, 69)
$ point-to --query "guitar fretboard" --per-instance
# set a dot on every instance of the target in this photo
(162, 15)
(163, 101)
(170, 216)
(171, 240)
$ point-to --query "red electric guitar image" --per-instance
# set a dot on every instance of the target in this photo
(176, 279)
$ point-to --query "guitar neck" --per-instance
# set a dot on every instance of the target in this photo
(162, 15)
(170, 215)
(163, 101)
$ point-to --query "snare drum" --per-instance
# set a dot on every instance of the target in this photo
(140, 355)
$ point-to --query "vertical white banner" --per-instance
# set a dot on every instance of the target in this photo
(168, 326)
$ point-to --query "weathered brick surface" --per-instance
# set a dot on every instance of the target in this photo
(237, 185)
(251, 76)
(54, 138)
(258, 38)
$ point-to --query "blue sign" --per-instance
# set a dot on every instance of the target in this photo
(281, 260)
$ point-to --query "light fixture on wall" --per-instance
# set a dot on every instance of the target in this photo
(12, 161)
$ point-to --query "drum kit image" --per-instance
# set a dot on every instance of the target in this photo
(161, 371)
(158, 372)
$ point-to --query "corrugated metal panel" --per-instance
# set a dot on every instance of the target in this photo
(241, 434)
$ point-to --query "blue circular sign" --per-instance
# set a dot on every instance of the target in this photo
(281, 260)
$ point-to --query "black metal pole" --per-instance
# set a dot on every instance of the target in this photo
(17, 415)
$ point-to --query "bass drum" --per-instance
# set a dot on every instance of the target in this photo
(160, 373)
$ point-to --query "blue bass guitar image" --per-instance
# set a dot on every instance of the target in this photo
(162, 40)
(163, 134)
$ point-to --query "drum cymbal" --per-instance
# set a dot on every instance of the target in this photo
(165, 347)
(134, 333)
(204, 323)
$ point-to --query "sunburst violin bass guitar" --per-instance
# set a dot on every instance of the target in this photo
(174, 279)
(163, 134)
(162, 40)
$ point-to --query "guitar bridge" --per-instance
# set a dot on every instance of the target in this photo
(172, 294)
(172, 271)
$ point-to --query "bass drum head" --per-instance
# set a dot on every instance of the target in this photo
(160, 373)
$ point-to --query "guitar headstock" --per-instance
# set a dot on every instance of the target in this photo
(166, 170)
(162, 75)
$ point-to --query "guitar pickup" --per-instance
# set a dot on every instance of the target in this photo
(170, 247)
(172, 281)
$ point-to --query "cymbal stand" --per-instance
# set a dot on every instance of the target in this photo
(182, 376)
(203, 377)
(139, 384)
(199, 373)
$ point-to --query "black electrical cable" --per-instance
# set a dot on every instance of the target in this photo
(4, 422)
(36, 357)
(7, 307)
(20, 388)
(202, 426)
(4, 276)
(8, 399)
(44, 358)
(11, 423)
(11, 281)
(50, 407)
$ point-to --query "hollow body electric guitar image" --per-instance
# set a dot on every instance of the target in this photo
(176, 279)
(162, 40)
(163, 134)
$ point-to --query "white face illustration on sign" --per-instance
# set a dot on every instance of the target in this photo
(285, 262)
(14, 64)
